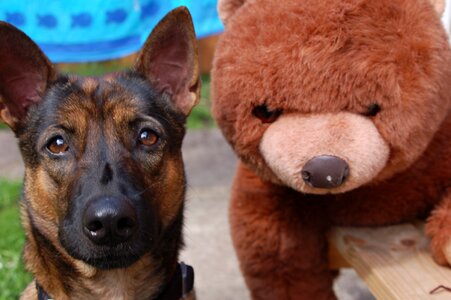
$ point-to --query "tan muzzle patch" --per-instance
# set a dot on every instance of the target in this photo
(324, 153)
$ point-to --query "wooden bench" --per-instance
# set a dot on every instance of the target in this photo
(394, 261)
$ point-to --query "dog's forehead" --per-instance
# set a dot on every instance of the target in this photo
(88, 84)
(113, 92)
(76, 100)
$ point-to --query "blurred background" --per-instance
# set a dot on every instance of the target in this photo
(95, 37)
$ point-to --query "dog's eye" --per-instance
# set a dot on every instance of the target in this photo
(373, 109)
(57, 145)
(265, 115)
(148, 137)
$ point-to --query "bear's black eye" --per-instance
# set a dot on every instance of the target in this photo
(373, 109)
(265, 115)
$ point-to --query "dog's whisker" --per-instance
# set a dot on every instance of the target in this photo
(142, 192)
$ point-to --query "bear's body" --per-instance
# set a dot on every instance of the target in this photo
(339, 112)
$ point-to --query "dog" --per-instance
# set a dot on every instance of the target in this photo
(104, 184)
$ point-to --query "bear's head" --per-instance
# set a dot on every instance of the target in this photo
(328, 96)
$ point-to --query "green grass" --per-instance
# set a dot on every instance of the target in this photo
(10, 192)
(13, 277)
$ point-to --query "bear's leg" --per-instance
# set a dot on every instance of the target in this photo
(438, 227)
(280, 241)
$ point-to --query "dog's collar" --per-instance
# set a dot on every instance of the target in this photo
(178, 287)
(42, 295)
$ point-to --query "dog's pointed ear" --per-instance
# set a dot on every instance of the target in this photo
(227, 8)
(25, 73)
(169, 61)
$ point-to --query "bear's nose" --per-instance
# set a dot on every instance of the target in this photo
(109, 221)
(325, 172)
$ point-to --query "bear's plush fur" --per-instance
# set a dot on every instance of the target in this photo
(339, 111)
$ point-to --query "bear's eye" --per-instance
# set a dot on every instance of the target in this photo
(372, 110)
(265, 115)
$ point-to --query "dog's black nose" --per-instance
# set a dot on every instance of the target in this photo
(325, 172)
(109, 220)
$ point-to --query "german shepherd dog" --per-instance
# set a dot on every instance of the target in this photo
(104, 183)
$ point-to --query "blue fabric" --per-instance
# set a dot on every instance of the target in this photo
(92, 30)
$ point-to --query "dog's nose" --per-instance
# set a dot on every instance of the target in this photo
(109, 221)
(325, 172)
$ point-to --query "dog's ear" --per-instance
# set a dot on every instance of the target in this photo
(168, 59)
(24, 74)
(227, 8)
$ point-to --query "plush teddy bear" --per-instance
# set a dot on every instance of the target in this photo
(339, 111)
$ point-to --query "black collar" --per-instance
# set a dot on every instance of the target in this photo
(178, 287)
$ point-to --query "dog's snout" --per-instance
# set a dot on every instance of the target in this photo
(109, 221)
(325, 171)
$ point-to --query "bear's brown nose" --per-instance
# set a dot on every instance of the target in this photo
(325, 172)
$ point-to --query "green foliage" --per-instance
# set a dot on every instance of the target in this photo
(200, 117)
(13, 278)
(94, 68)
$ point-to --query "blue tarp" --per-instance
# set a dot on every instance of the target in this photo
(92, 30)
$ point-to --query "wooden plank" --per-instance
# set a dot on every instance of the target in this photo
(336, 260)
(394, 261)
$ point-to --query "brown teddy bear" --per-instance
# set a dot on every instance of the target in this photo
(339, 113)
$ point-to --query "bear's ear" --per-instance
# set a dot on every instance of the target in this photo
(169, 61)
(25, 73)
(439, 6)
(227, 8)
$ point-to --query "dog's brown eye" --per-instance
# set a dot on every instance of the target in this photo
(265, 115)
(148, 137)
(57, 145)
(373, 109)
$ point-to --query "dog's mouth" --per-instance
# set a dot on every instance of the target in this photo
(121, 256)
